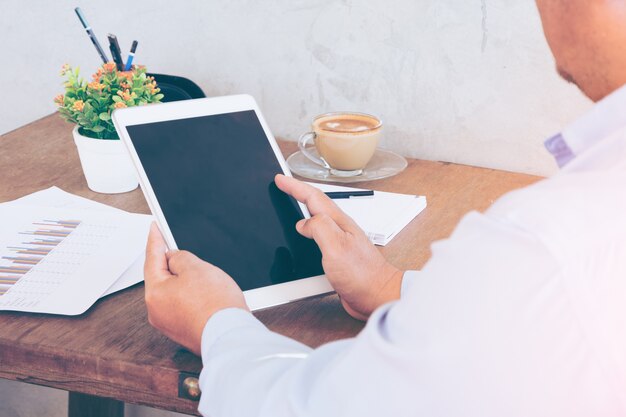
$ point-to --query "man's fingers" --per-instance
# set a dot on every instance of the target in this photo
(155, 267)
(181, 260)
(323, 229)
(316, 201)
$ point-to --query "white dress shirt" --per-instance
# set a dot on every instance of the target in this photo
(521, 312)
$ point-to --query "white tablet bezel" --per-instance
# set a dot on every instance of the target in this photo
(256, 298)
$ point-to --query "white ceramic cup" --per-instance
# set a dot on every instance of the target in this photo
(345, 141)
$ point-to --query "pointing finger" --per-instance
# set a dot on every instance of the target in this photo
(316, 201)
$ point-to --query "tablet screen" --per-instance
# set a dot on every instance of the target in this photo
(213, 177)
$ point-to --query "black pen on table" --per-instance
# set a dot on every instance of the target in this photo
(114, 46)
(92, 35)
(335, 195)
(131, 56)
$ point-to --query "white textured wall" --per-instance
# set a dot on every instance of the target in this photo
(468, 81)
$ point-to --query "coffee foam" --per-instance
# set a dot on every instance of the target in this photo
(347, 123)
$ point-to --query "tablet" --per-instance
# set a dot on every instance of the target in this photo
(206, 168)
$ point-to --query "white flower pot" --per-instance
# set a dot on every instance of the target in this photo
(106, 164)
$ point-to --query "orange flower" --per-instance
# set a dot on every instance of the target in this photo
(79, 105)
(98, 75)
(126, 74)
(124, 94)
(119, 105)
(96, 86)
(59, 100)
(109, 67)
(65, 68)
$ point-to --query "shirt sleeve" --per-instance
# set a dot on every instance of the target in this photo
(251, 371)
(408, 279)
(487, 309)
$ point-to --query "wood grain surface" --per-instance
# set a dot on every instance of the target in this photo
(111, 351)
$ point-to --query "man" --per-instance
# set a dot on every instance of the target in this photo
(521, 312)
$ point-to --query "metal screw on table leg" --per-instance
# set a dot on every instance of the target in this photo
(192, 388)
(188, 386)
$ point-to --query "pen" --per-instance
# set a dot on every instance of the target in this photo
(131, 56)
(347, 194)
(116, 52)
(92, 35)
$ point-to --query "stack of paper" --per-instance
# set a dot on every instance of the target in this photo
(382, 216)
(59, 252)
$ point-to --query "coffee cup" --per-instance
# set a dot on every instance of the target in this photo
(345, 141)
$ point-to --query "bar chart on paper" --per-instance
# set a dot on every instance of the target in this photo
(44, 258)
(62, 263)
(36, 245)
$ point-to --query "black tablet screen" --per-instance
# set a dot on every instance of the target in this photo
(213, 177)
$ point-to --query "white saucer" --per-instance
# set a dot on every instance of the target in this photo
(382, 165)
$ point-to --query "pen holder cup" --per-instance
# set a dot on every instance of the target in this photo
(175, 88)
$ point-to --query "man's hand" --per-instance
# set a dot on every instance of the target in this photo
(183, 292)
(356, 269)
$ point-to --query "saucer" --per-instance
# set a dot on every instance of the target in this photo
(382, 165)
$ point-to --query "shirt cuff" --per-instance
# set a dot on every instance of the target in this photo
(223, 322)
(407, 281)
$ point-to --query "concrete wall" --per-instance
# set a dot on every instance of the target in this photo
(468, 81)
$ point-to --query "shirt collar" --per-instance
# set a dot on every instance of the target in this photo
(604, 118)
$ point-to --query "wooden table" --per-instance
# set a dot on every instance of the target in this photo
(111, 355)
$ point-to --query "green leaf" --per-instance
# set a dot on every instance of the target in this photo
(97, 129)
(105, 116)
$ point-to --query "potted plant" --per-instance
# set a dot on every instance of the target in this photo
(105, 161)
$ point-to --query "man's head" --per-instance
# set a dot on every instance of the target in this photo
(588, 40)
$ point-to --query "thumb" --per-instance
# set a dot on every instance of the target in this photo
(323, 229)
(155, 267)
(181, 260)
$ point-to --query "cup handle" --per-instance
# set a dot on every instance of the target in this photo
(302, 142)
